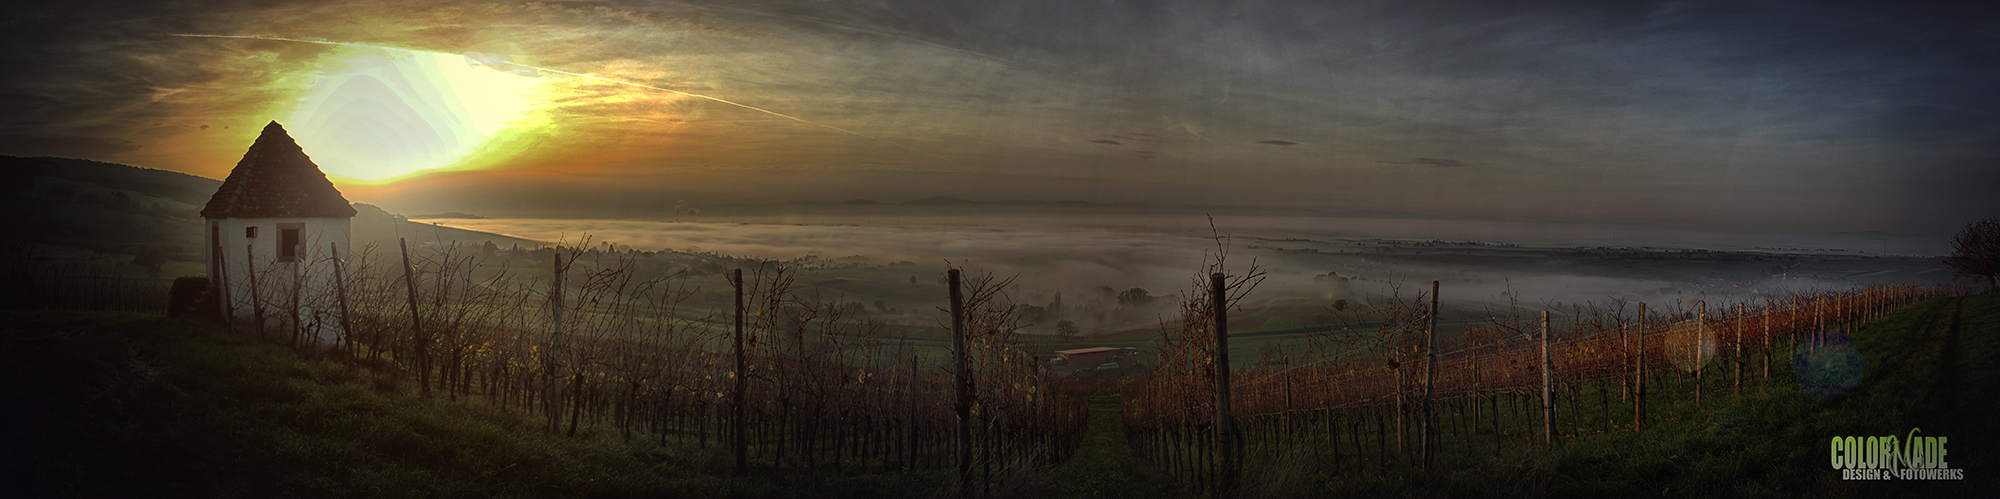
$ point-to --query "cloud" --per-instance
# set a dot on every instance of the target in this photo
(1438, 163)
(1812, 99)
(1136, 137)
(1430, 162)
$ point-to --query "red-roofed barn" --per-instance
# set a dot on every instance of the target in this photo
(273, 230)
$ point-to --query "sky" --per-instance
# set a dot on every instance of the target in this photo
(1838, 116)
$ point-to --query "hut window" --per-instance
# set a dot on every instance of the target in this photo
(250, 232)
(288, 241)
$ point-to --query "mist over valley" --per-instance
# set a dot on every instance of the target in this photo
(1084, 259)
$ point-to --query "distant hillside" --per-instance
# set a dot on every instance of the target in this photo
(139, 221)
(181, 187)
(449, 214)
(146, 222)
(373, 225)
(936, 200)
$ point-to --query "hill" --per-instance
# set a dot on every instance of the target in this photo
(141, 221)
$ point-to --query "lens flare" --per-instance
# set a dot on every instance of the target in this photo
(1827, 364)
(1689, 346)
(387, 112)
(380, 114)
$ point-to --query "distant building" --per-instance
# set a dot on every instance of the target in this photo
(1086, 361)
(273, 228)
(1087, 357)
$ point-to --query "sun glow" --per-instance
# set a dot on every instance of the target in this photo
(381, 114)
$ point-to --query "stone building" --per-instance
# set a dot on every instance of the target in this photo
(274, 230)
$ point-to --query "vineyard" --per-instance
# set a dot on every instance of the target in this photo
(29, 281)
(1392, 399)
(783, 381)
(764, 377)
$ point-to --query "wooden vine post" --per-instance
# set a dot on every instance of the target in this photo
(1700, 337)
(1736, 338)
(228, 300)
(1430, 375)
(960, 387)
(1639, 373)
(736, 424)
(416, 326)
(292, 318)
(1225, 423)
(555, 350)
(340, 291)
(1548, 387)
(257, 292)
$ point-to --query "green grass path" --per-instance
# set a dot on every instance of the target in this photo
(1103, 467)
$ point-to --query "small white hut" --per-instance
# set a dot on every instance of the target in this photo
(274, 228)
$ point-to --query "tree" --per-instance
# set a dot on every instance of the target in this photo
(121, 201)
(1067, 330)
(1975, 251)
(1134, 298)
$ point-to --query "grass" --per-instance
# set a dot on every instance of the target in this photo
(1927, 367)
(128, 405)
(1103, 467)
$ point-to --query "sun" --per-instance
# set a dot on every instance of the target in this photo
(378, 114)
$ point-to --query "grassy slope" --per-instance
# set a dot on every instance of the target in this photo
(124, 405)
(1929, 367)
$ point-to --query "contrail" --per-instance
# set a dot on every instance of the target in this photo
(581, 75)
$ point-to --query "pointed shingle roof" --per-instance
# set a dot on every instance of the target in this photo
(275, 179)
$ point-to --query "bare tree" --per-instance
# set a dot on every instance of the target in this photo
(1975, 251)
(1066, 329)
